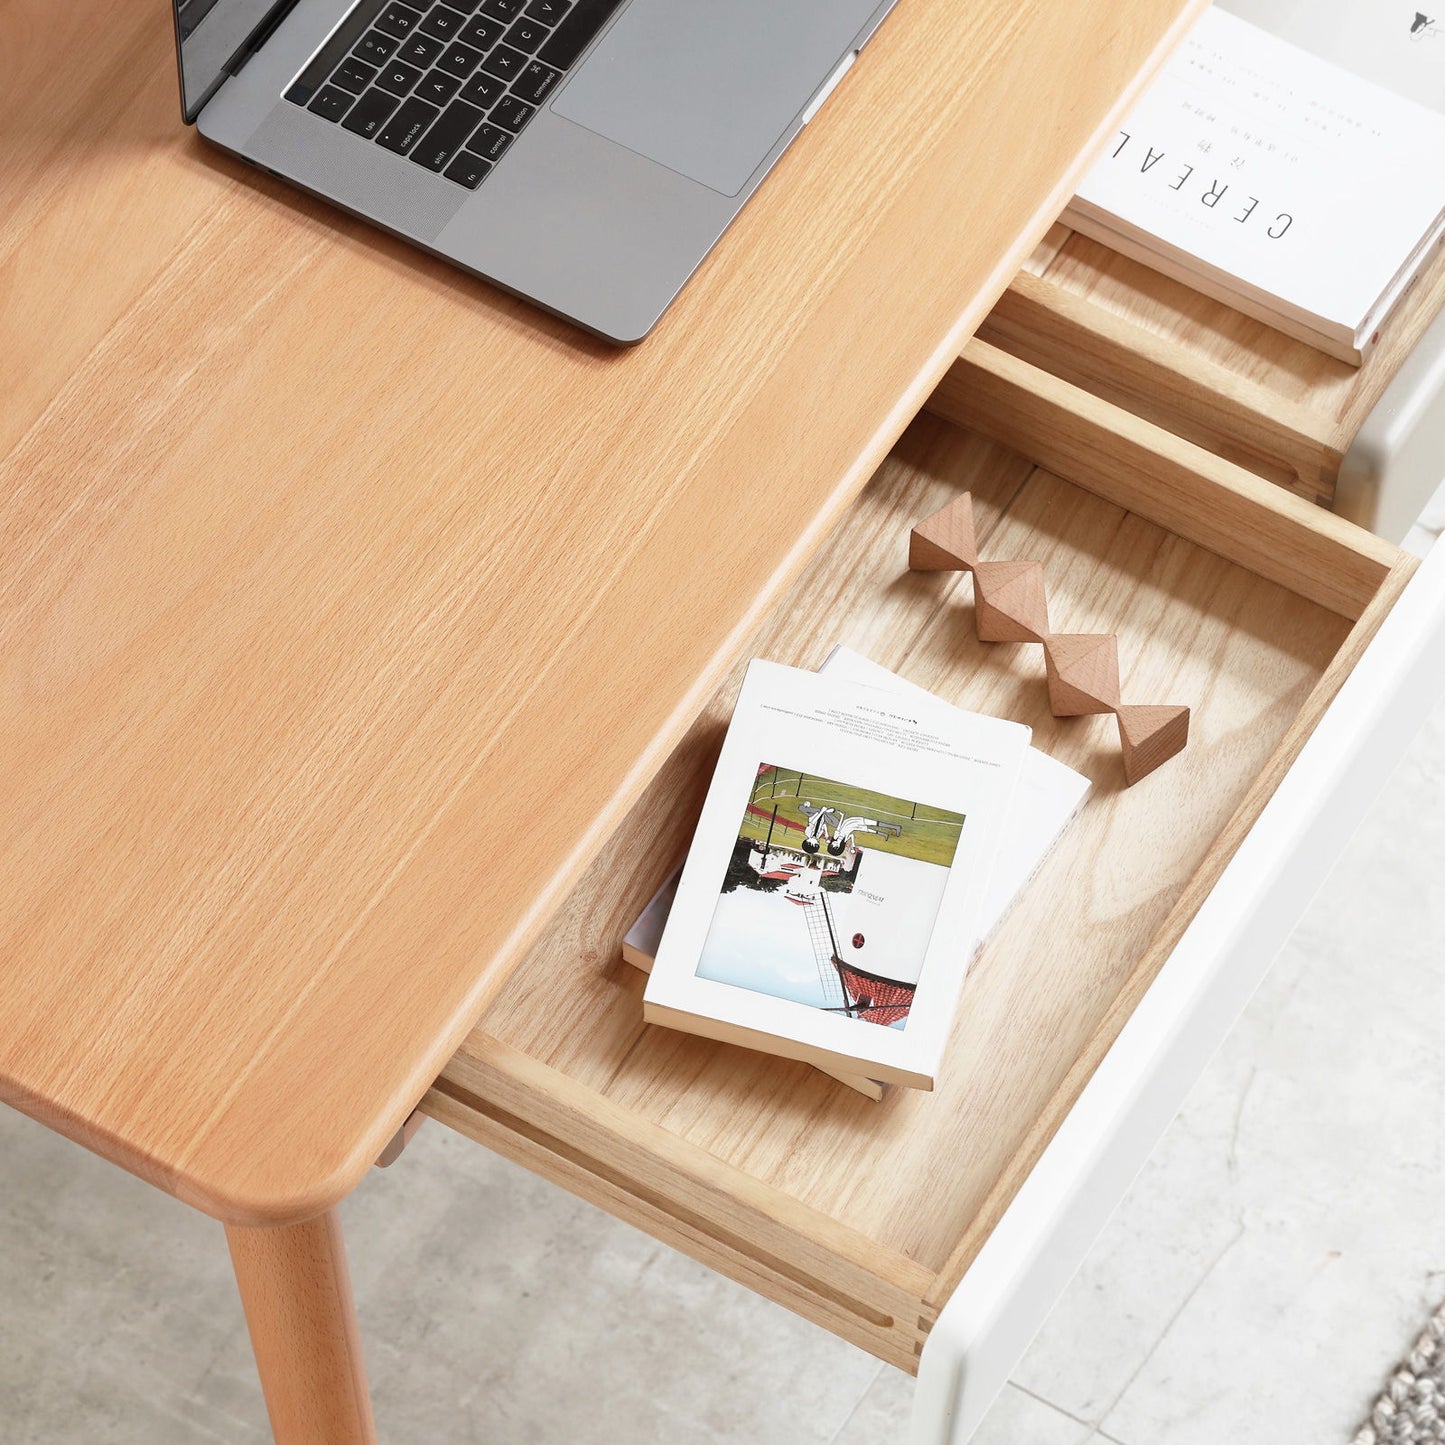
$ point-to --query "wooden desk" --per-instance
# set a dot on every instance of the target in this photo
(347, 603)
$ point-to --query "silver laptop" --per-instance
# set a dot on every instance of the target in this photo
(584, 154)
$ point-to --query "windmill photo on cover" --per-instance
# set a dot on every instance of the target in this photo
(830, 895)
(834, 891)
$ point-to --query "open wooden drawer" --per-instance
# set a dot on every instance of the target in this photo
(1228, 593)
(1196, 366)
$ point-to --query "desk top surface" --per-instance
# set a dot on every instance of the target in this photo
(347, 604)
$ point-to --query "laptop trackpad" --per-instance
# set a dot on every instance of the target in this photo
(707, 88)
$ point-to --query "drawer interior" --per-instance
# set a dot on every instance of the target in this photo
(864, 1215)
(1196, 366)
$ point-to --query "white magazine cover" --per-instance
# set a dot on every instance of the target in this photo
(1046, 799)
(1274, 180)
(835, 888)
(1048, 796)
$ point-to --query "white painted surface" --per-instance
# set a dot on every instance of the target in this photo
(1378, 39)
(1048, 1229)
(1393, 465)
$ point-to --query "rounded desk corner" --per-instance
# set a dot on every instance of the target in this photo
(252, 1204)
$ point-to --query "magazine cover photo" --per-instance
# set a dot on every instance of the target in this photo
(830, 895)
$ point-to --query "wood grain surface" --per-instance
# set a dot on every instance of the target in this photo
(563, 1075)
(296, 1289)
(1159, 475)
(1196, 366)
(346, 604)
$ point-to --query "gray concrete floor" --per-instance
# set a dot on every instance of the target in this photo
(1269, 1265)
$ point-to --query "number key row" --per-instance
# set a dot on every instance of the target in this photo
(448, 84)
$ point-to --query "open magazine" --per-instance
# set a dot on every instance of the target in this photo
(835, 888)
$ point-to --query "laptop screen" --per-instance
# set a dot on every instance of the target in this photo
(209, 36)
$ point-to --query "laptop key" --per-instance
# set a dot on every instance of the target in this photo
(483, 89)
(375, 48)
(468, 170)
(420, 50)
(577, 32)
(512, 113)
(398, 77)
(443, 22)
(398, 20)
(331, 102)
(491, 142)
(318, 70)
(527, 34)
(549, 12)
(405, 128)
(481, 32)
(502, 9)
(505, 62)
(354, 75)
(536, 83)
(438, 87)
(460, 60)
(447, 136)
(370, 113)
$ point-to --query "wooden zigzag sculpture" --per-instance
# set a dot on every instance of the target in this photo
(1083, 670)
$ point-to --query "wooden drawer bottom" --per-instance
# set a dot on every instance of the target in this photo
(864, 1216)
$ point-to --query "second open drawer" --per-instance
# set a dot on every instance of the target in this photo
(1226, 593)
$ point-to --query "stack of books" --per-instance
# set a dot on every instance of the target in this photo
(859, 840)
(1275, 181)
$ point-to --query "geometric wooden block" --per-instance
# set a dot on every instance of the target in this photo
(945, 541)
(1009, 602)
(1010, 605)
(1083, 673)
(1150, 736)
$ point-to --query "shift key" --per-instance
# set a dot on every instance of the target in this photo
(404, 129)
(448, 135)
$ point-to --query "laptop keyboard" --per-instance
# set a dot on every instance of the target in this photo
(449, 86)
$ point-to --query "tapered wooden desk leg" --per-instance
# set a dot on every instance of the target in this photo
(297, 1294)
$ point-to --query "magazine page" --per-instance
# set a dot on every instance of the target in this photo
(1311, 189)
(1046, 798)
(833, 893)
